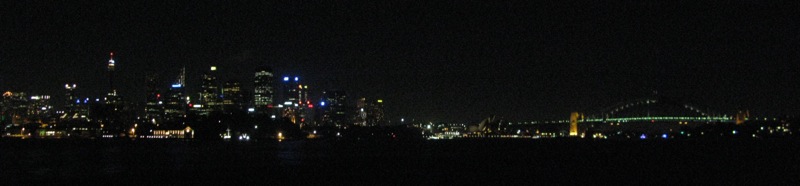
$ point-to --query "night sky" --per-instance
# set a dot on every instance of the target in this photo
(455, 61)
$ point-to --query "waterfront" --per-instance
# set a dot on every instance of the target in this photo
(451, 162)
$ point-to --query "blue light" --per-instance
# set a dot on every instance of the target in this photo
(664, 136)
(296, 78)
(643, 137)
(322, 103)
(176, 85)
(77, 101)
(285, 78)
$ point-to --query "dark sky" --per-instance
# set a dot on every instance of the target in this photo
(457, 61)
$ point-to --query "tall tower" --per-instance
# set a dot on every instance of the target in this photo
(264, 91)
(209, 93)
(72, 101)
(111, 66)
(176, 104)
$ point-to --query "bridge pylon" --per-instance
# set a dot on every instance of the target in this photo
(741, 117)
(573, 123)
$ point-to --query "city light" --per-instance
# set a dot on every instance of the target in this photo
(176, 85)
(285, 78)
(322, 103)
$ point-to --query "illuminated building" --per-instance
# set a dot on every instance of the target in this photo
(70, 103)
(376, 115)
(264, 91)
(295, 100)
(154, 106)
(291, 91)
(305, 107)
(175, 105)
(369, 113)
(39, 107)
(174, 132)
(333, 108)
(209, 93)
(15, 107)
(360, 118)
(232, 97)
(72, 109)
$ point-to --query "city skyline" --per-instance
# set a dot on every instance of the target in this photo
(456, 63)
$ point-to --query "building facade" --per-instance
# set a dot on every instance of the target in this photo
(264, 91)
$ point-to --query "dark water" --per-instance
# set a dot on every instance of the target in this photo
(450, 162)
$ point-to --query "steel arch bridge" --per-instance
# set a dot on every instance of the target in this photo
(685, 112)
(648, 110)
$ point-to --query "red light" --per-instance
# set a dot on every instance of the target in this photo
(158, 95)
(269, 106)
(310, 106)
(652, 121)
(190, 105)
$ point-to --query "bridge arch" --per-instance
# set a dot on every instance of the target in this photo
(654, 109)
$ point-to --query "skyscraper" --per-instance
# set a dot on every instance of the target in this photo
(291, 91)
(15, 107)
(360, 115)
(369, 113)
(376, 115)
(154, 106)
(333, 107)
(209, 98)
(232, 97)
(297, 106)
(264, 91)
(39, 108)
(74, 107)
(176, 104)
(71, 101)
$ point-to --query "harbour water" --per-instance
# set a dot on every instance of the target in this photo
(425, 162)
